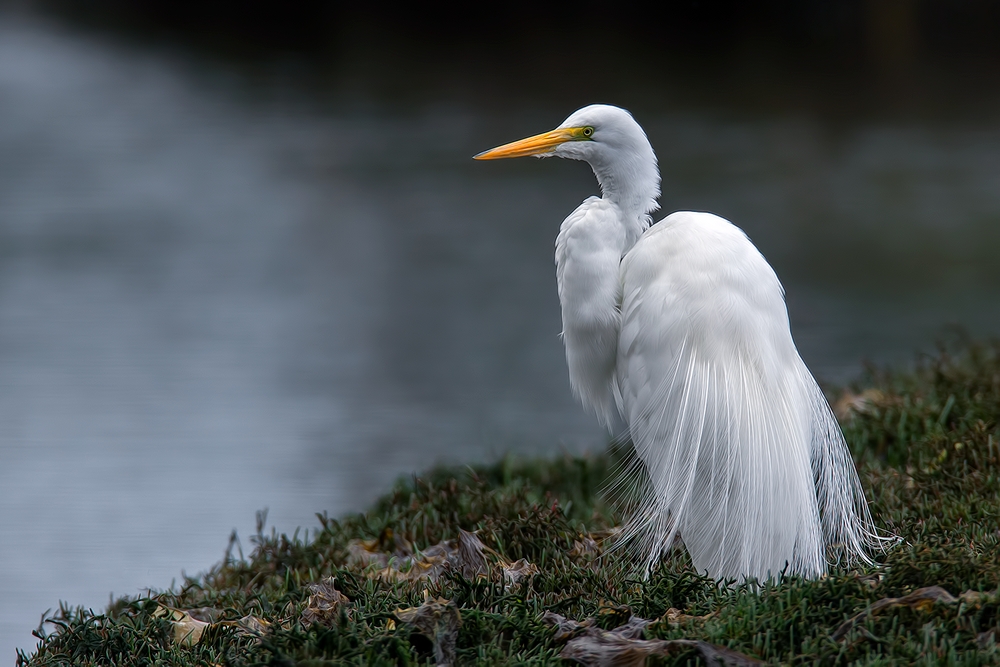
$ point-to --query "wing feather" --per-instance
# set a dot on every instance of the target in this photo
(847, 521)
(589, 284)
(723, 413)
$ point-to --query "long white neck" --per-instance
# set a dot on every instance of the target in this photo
(631, 181)
(589, 251)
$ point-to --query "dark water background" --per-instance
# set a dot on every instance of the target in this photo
(225, 287)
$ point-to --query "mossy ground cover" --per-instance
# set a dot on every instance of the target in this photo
(927, 445)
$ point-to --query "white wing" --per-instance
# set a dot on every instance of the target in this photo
(588, 276)
(722, 411)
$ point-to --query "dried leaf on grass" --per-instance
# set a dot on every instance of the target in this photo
(624, 647)
(251, 626)
(975, 598)
(465, 555)
(677, 617)
(379, 551)
(585, 548)
(605, 649)
(188, 630)
(565, 627)
(206, 614)
(324, 603)
(922, 598)
(513, 573)
(470, 558)
(438, 620)
(591, 545)
(633, 628)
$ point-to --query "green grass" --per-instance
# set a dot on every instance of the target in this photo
(928, 450)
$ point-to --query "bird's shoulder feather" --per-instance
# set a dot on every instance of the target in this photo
(588, 257)
(696, 276)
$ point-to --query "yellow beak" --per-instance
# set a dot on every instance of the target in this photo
(536, 145)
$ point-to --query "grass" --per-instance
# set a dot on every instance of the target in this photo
(927, 445)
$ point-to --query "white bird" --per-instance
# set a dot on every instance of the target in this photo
(681, 329)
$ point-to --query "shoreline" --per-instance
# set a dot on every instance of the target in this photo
(504, 563)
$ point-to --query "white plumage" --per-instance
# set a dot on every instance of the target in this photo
(681, 329)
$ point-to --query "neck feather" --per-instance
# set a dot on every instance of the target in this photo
(633, 184)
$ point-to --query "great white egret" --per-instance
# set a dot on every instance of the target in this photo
(681, 329)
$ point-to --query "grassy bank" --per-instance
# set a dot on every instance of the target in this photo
(404, 583)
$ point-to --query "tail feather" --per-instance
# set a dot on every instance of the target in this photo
(750, 468)
(847, 522)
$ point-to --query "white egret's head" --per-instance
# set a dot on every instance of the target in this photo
(596, 131)
(610, 140)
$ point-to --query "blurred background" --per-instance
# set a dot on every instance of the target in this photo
(246, 260)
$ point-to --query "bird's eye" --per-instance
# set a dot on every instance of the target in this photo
(588, 131)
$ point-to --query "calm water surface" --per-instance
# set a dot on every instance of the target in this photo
(217, 297)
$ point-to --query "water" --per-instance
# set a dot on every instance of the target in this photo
(219, 295)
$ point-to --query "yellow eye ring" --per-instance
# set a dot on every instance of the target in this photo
(588, 132)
